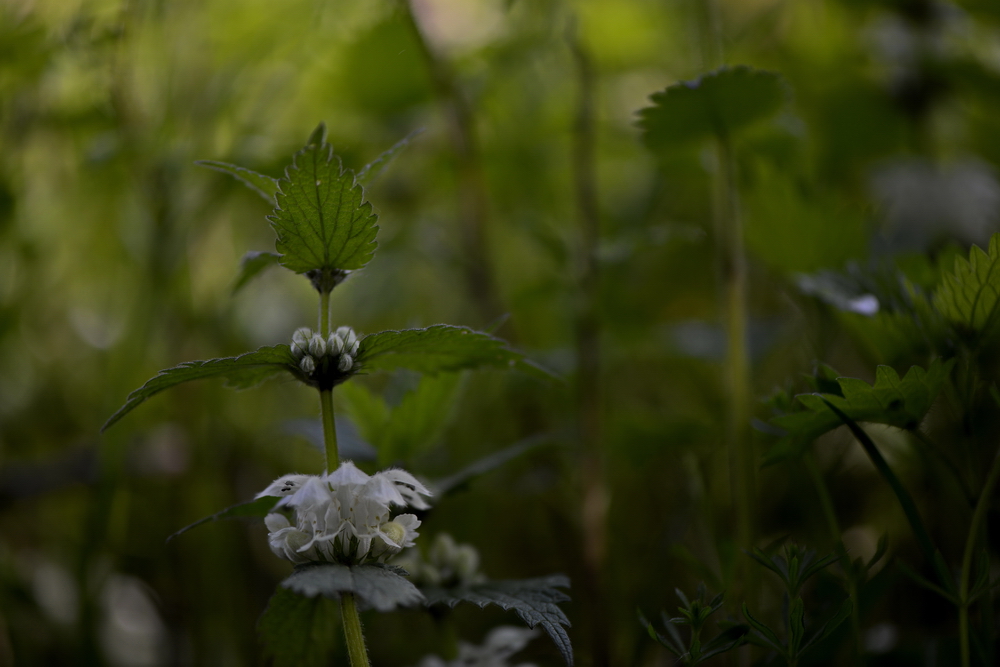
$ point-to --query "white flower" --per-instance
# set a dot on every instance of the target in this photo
(344, 516)
(500, 644)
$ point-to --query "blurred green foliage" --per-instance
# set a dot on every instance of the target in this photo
(118, 258)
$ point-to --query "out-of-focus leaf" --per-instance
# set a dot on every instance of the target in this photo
(265, 186)
(486, 464)
(350, 444)
(534, 600)
(371, 171)
(415, 424)
(376, 586)
(258, 508)
(969, 296)
(717, 104)
(242, 372)
(440, 348)
(252, 265)
(298, 631)
(322, 221)
(901, 402)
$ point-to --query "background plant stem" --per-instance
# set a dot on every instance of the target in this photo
(596, 495)
(356, 649)
(970, 544)
(473, 199)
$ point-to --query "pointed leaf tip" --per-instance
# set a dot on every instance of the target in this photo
(318, 136)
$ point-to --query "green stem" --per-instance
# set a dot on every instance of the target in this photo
(324, 314)
(904, 497)
(329, 430)
(352, 631)
(734, 279)
(970, 543)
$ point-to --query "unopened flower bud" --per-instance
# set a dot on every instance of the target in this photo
(317, 346)
(300, 342)
(308, 364)
(345, 363)
(335, 344)
(349, 337)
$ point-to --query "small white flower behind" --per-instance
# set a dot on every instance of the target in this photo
(344, 516)
(501, 643)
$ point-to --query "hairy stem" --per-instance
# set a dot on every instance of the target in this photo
(329, 430)
(356, 649)
(970, 544)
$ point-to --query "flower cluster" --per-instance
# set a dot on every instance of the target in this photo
(310, 349)
(447, 564)
(344, 517)
(500, 644)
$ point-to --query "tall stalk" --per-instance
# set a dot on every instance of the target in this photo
(970, 544)
(473, 199)
(596, 495)
(731, 260)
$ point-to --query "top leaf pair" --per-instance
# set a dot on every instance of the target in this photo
(324, 225)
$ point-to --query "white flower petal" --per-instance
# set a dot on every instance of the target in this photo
(285, 485)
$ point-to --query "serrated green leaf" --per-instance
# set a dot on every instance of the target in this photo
(440, 348)
(298, 631)
(252, 265)
(969, 296)
(258, 508)
(265, 186)
(534, 600)
(375, 586)
(719, 103)
(371, 171)
(901, 402)
(322, 221)
(242, 372)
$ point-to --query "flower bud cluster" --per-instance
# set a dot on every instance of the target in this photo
(311, 349)
(447, 564)
(345, 516)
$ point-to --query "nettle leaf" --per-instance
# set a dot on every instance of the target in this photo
(252, 265)
(374, 169)
(534, 600)
(901, 402)
(265, 186)
(242, 372)
(970, 296)
(717, 104)
(322, 221)
(440, 348)
(376, 586)
(298, 631)
(258, 509)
